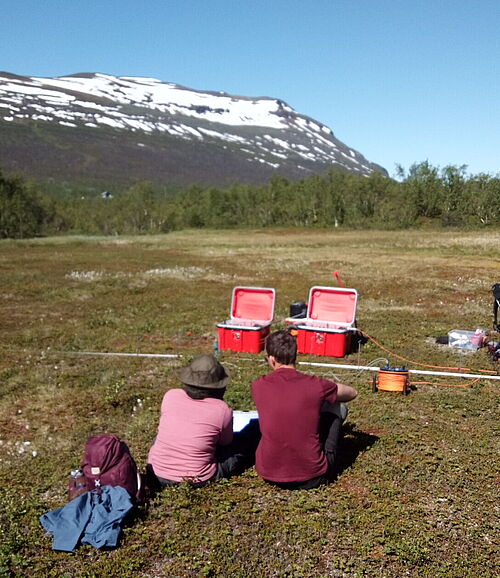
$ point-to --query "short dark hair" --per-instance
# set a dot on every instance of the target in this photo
(282, 345)
(203, 392)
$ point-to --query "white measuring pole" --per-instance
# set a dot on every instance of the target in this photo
(417, 371)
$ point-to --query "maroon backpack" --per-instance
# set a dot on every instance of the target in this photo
(108, 462)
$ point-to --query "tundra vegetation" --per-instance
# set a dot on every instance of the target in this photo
(418, 490)
(422, 196)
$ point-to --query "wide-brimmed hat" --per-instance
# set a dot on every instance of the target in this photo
(204, 371)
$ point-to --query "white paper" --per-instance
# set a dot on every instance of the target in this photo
(242, 418)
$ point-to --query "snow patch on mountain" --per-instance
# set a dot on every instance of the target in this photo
(264, 128)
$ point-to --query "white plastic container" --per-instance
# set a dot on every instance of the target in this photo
(471, 340)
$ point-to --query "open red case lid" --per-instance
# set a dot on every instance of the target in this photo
(332, 305)
(253, 303)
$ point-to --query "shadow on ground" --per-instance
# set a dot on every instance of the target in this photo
(353, 443)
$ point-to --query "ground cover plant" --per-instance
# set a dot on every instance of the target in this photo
(417, 494)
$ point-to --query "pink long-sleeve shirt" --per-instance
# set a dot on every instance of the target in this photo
(188, 434)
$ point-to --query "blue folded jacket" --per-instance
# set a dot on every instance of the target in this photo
(92, 518)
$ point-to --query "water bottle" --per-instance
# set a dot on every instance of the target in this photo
(77, 484)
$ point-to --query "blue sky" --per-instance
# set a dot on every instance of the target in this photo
(400, 81)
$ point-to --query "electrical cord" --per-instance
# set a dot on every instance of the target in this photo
(462, 369)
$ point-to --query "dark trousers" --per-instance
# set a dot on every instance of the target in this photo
(239, 455)
(330, 426)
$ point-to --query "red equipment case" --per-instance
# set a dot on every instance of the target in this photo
(252, 312)
(327, 329)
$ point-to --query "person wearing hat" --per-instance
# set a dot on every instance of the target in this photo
(195, 435)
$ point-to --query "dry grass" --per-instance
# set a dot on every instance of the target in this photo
(418, 492)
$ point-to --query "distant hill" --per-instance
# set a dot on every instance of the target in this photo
(97, 127)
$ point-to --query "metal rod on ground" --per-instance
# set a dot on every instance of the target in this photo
(314, 364)
(166, 355)
(417, 371)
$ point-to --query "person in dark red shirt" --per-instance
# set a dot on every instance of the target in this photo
(300, 417)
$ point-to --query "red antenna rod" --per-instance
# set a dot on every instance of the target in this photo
(336, 274)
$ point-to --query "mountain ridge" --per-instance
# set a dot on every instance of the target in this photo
(100, 126)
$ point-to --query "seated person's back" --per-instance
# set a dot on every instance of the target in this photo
(291, 452)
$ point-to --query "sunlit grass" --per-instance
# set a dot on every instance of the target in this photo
(417, 495)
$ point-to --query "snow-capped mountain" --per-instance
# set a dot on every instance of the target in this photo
(102, 126)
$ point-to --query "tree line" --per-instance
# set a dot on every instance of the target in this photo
(420, 196)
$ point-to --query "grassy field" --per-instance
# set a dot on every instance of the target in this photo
(418, 492)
